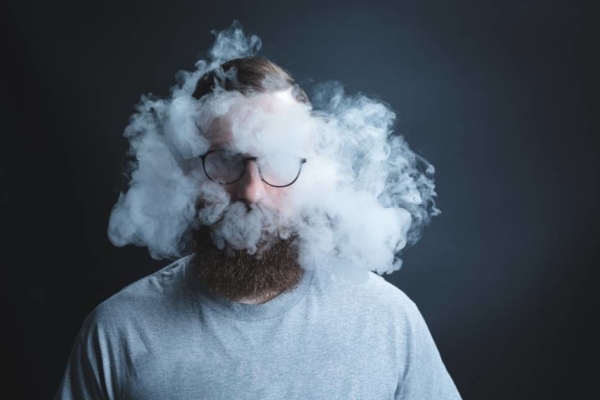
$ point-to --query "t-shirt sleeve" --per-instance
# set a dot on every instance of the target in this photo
(94, 368)
(425, 376)
(82, 379)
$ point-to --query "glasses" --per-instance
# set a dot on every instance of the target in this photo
(224, 167)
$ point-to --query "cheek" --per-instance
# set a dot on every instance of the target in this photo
(278, 197)
(231, 191)
(282, 200)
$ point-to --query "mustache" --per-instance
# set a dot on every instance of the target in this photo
(213, 213)
(240, 226)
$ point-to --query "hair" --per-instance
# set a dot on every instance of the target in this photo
(247, 75)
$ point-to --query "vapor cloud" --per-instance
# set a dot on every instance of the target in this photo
(361, 198)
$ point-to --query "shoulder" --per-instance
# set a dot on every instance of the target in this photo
(371, 294)
(391, 299)
(371, 287)
(379, 287)
(148, 295)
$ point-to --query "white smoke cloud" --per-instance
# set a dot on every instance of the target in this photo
(362, 196)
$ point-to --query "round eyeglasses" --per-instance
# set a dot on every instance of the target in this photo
(224, 167)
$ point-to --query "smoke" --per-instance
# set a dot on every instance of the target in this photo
(363, 195)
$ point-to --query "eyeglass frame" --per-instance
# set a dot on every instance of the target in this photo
(245, 161)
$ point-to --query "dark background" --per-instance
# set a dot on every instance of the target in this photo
(497, 95)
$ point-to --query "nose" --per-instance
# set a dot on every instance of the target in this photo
(251, 188)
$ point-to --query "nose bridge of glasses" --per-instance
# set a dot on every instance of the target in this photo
(251, 167)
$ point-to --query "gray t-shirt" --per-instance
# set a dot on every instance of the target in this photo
(167, 336)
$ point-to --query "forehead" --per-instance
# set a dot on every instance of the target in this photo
(260, 123)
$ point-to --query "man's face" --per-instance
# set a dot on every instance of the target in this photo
(250, 232)
(264, 127)
(250, 188)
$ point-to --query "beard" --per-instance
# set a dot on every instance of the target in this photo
(241, 262)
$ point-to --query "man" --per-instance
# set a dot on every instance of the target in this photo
(249, 314)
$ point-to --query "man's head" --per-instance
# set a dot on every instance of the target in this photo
(249, 75)
(360, 198)
(255, 163)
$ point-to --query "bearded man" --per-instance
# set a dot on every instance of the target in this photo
(248, 314)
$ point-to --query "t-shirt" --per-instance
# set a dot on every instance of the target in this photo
(167, 336)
